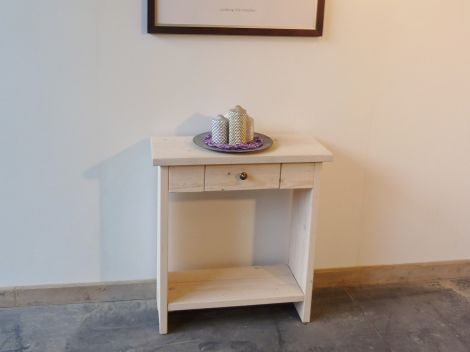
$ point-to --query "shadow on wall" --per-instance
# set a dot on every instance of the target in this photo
(212, 229)
(144, 14)
(225, 229)
(127, 214)
(194, 125)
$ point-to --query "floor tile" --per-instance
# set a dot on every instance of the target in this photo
(421, 317)
(413, 317)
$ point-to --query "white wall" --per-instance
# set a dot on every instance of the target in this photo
(82, 87)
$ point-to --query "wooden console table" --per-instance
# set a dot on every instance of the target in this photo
(293, 162)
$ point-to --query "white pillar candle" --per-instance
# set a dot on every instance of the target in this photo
(237, 118)
(219, 130)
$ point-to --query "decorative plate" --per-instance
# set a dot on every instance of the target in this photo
(261, 142)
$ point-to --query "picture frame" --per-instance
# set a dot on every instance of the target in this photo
(230, 17)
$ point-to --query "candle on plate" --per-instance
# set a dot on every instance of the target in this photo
(220, 130)
(238, 119)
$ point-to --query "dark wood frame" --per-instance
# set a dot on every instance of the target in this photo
(317, 32)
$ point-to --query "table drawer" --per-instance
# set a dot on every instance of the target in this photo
(242, 177)
(296, 176)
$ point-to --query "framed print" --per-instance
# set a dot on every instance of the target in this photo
(237, 17)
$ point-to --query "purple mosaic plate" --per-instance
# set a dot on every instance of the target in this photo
(261, 142)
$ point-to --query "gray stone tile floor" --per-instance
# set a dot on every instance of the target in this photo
(410, 317)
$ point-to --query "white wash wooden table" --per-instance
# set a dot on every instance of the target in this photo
(293, 162)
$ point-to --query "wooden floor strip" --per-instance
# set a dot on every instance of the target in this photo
(145, 289)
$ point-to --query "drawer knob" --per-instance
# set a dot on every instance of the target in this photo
(243, 176)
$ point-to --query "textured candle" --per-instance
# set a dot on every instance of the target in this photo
(238, 119)
(250, 130)
(219, 129)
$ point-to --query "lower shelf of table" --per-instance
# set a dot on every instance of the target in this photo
(232, 287)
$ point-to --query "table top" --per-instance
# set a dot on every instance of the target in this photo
(179, 151)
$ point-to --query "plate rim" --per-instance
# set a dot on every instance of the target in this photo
(199, 137)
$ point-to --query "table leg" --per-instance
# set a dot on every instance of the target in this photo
(302, 242)
(162, 248)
